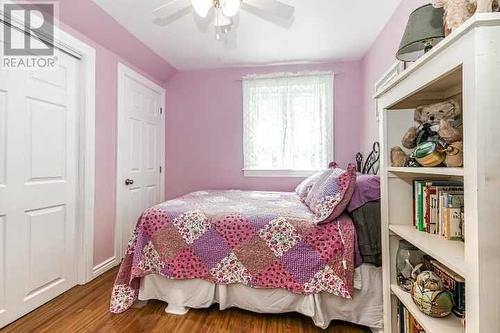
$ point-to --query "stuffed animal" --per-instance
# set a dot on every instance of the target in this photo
(398, 157)
(485, 6)
(439, 122)
(455, 155)
(456, 12)
(443, 119)
(450, 132)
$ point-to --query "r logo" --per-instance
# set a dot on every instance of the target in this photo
(38, 19)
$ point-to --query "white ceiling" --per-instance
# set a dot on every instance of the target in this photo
(323, 30)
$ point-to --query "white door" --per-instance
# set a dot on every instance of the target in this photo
(141, 147)
(38, 184)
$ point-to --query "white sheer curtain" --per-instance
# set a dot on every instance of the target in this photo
(288, 121)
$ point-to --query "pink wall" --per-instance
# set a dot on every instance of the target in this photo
(86, 17)
(377, 61)
(204, 127)
(204, 120)
(113, 44)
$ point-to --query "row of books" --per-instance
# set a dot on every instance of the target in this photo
(453, 282)
(439, 208)
(406, 322)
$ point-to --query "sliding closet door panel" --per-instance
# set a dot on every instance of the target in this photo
(8, 208)
(38, 185)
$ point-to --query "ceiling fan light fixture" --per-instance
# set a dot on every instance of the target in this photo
(221, 20)
(230, 7)
(222, 13)
(221, 32)
(202, 7)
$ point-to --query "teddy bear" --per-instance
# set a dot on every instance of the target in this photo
(398, 157)
(455, 154)
(485, 6)
(456, 12)
(441, 121)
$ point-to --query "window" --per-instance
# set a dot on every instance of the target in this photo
(288, 124)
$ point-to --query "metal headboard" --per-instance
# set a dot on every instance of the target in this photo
(371, 165)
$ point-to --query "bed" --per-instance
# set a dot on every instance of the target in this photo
(257, 251)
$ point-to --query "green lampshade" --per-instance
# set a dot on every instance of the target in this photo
(424, 30)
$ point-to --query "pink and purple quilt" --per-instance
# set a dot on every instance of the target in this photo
(259, 239)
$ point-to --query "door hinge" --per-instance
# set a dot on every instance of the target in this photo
(161, 169)
(161, 111)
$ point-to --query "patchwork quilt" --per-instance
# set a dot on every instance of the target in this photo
(259, 239)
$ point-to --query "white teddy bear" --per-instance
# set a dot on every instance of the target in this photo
(456, 11)
(485, 6)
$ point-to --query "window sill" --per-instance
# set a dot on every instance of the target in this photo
(278, 173)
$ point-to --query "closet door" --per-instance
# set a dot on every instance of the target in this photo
(38, 185)
(141, 145)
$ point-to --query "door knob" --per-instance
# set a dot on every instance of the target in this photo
(129, 182)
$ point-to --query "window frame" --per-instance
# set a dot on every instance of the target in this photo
(289, 173)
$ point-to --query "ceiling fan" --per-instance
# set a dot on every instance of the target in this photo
(224, 11)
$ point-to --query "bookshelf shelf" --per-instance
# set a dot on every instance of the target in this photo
(449, 253)
(446, 71)
(450, 324)
(452, 172)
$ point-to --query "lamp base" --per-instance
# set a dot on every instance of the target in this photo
(427, 46)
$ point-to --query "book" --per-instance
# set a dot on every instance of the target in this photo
(443, 193)
(401, 323)
(453, 224)
(406, 323)
(415, 326)
(450, 198)
(415, 196)
(429, 224)
(419, 218)
(463, 226)
(434, 213)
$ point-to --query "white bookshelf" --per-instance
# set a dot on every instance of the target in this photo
(464, 65)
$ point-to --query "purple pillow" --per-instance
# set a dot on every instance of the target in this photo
(367, 189)
(329, 200)
(305, 187)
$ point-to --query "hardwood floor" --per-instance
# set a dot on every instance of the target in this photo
(85, 309)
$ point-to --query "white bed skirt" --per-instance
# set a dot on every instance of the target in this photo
(365, 308)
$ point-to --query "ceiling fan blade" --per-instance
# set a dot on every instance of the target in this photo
(267, 8)
(171, 11)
